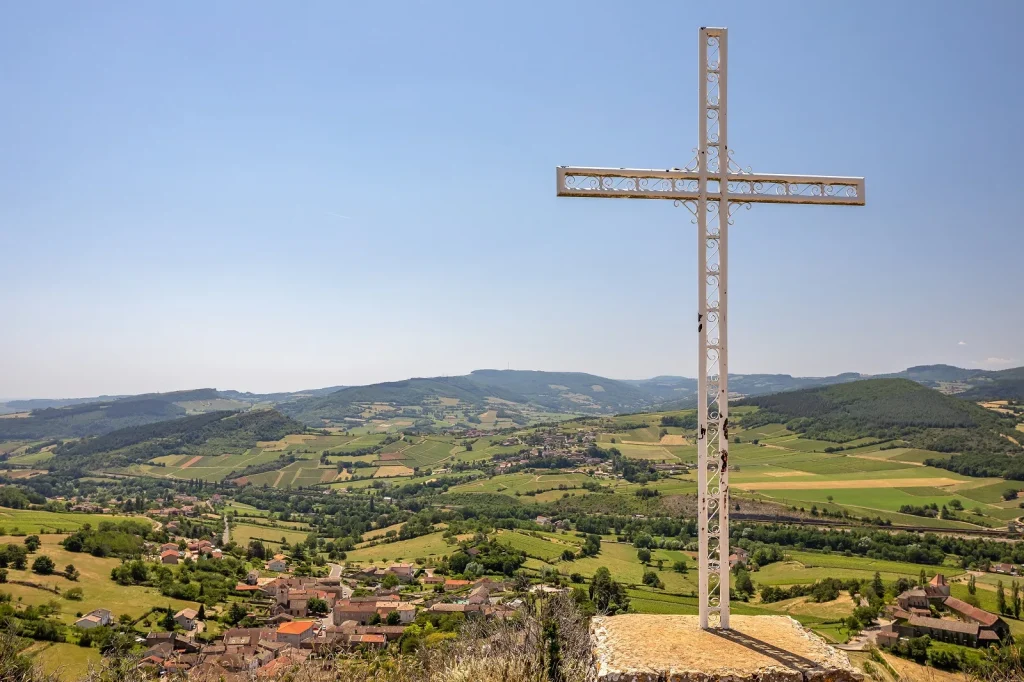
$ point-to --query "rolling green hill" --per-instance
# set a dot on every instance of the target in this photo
(898, 409)
(90, 419)
(1007, 384)
(213, 433)
(566, 392)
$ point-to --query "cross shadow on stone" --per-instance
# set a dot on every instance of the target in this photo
(790, 660)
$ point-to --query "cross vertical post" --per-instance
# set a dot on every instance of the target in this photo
(712, 331)
(710, 186)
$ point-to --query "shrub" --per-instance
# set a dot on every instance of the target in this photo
(43, 565)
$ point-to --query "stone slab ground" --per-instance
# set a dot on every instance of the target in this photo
(669, 648)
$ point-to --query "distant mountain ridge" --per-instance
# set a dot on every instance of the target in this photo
(546, 392)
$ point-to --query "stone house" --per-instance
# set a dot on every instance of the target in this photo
(186, 618)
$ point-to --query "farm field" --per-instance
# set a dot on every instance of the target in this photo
(99, 590)
(840, 561)
(510, 484)
(33, 459)
(620, 559)
(70, 661)
(423, 547)
(546, 549)
(37, 521)
(242, 533)
(381, 532)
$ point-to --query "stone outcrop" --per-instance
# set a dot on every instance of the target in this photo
(665, 648)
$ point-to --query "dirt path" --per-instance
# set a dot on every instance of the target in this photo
(277, 481)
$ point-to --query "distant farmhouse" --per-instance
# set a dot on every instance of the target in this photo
(959, 622)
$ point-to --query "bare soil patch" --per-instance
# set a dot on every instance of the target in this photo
(674, 439)
(782, 474)
(392, 470)
(192, 461)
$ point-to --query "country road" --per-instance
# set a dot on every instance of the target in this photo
(227, 531)
(346, 591)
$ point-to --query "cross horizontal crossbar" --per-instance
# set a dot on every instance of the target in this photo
(683, 184)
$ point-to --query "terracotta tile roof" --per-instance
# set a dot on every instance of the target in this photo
(963, 608)
(296, 627)
(947, 625)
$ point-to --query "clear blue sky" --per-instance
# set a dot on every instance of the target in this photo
(269, 196)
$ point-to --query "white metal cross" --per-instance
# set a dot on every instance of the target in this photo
(712, 186)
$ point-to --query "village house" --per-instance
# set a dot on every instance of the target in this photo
(367, 641)
(1004, 569)
(739, 557)
(169, 556)
(94, 619)
(363, 610)
(295, 632)
(403, 572)
(186, 618)
(279, 563)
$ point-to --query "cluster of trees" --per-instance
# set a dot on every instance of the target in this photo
(686, 421)
(18, 498)
(488, 557)
(13, 556)
(927, 510)
(926, 548)
(607, 595)
(826, 589)
(120, 539)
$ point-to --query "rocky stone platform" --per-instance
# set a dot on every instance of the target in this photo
(666, 648)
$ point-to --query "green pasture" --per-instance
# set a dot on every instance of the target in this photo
(242, 533)
(37, 521)
(625, 567)
(659, 453)
(244, 509)
(69, 662)
(510, 484)
(35, 459)
(98, 589)
(992, 493)
(859, 563)
(884, 499)
(547, 548)
(431, 546)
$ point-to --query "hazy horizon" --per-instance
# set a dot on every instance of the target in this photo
(425, 376)
(275, 198)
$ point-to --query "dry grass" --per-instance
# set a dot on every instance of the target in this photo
(388, 471)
